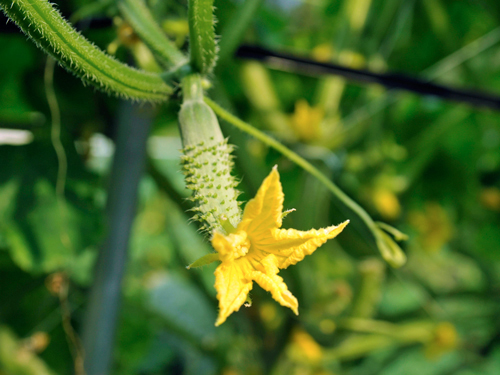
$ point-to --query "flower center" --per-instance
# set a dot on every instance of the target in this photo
(242, 249)
(236, 246)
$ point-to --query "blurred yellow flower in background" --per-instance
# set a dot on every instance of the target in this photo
(433, 225)
(323, 52)
(445, 339)
(304, 347)
(490, 198)
(387, 203)
(306, 120)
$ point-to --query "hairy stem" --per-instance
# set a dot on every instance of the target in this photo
(203, 47)
(45, 26)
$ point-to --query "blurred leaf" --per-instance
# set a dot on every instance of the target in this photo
(401, 297)
(447, 271)
(49, 236)
(413, 362)
(184, 308)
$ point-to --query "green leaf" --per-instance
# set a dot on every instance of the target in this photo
(413, 361)
(203, 46)
(50, 236)
(185, 309)
(204, 260)
(194, 361)
(42, 232)
(402, 297)
(8, 191)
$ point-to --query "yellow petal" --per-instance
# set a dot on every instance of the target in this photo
(291, 246)
(266, 276)
(264, 211)
(232, 288)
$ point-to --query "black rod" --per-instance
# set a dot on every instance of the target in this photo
(288, 62)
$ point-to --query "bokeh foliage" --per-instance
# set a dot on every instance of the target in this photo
(428, 167)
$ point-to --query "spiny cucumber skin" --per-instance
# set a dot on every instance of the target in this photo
(207, 161)
(207, 167)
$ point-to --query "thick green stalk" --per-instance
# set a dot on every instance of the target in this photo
(389, 250)
(140, 18)
(103, 305)
(45, 26)
(203, 46)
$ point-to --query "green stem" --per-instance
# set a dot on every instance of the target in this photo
(203, 47)
(252, 167)
(140, 18)
(462, 55)
(55, 130)
(45, 26)
(192, 88)
(388, 251)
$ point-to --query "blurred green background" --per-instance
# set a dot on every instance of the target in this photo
(429, 167)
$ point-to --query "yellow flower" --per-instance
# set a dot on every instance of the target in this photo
(490, 198)
(434, 226)
(387, 203)
(306, 120)
(304, 348)
(257, 249)
(445, 339)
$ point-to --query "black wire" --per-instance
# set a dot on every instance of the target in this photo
(296, 64)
